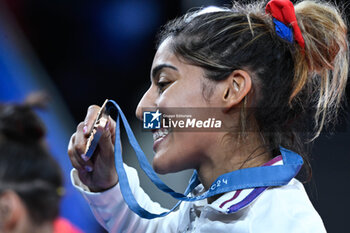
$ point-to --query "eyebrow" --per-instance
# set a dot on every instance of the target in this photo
(156, 69)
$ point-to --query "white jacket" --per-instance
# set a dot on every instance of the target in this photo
(285, 209)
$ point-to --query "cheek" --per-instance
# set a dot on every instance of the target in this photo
(182, 94)
(194, 144)
(165, 100)
(184, 150)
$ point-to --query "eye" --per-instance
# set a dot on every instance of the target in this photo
(162, 85)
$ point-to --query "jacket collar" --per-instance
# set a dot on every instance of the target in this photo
(234, 201)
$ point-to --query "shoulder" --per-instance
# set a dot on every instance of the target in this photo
(291, 199)
(286, 207)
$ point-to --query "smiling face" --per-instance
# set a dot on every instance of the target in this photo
(177, 84)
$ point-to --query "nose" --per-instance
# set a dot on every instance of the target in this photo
(147, 101)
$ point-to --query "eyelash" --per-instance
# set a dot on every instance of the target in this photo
(162, 85)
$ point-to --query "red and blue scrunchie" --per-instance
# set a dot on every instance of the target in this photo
(285, 21)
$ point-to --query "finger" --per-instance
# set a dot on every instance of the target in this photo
(112, 128)
(71, 148)
(70, 144)
(75, 163)
(79, 163)
(90, 119)
(80, 139)
(105, 143)
(88, 165)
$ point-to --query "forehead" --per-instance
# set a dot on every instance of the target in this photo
(165, 55)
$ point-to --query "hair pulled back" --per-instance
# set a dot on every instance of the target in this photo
(26, 167)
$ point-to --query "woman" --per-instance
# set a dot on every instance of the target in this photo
(31, 184)
(265, 70)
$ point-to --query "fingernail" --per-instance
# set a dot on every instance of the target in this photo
(108, 125)
(85, 129)
(83, 156)
(88, 168)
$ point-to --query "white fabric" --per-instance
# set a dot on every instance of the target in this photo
(285, 209)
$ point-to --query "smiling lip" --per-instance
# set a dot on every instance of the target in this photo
(159, 136)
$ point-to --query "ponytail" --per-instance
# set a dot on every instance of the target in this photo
(323, 68)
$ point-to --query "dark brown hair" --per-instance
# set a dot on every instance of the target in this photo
(287, 81)
(26, 166)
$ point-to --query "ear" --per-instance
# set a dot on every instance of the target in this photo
(11, 208)
(237, 86)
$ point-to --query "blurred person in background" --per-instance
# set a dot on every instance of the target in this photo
(265, 68)
(31, 184)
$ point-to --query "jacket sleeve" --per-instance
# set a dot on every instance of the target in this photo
(114, 215)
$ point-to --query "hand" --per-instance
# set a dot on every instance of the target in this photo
(98, 173)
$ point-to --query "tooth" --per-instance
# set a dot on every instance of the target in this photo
(160, 133)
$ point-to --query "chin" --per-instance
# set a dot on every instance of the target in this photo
(159, 169)
(162, 167)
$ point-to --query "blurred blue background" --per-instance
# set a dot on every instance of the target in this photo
(82, 52)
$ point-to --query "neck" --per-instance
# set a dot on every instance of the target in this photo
(232, 154)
